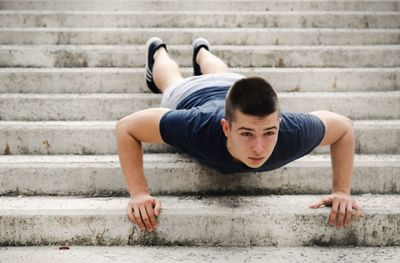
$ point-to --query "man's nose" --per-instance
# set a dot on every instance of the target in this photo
(258, 146)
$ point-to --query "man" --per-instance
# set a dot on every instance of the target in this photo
(229, 123)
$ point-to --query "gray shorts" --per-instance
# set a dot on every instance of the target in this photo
(175, 93)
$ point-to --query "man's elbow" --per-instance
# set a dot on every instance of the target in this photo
(348, 125)
(347, 130)
(121, 127)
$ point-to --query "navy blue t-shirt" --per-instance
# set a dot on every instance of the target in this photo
(195, 128)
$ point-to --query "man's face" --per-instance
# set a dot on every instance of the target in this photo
(251, 139)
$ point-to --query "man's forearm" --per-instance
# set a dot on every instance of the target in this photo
(131, 161)
(342, 154)
(339, 134)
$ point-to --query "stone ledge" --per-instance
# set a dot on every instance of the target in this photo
(114, 106)
(223, 5)
(200, 254)
(76, 137)
(173, 174)
(197, 221)
(234, 56)
(216, 36)
(281, 19)
(118, 80)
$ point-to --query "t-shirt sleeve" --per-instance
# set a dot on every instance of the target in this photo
(174, 124)
(312, 131)
(184, 129)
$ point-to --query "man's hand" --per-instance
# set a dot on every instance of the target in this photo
(143, 210)
(342, 207)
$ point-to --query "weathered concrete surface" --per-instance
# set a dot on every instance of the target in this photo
(200, 254)
(300, 36)
(231, 5)
(234, 56)
(119, 80)
(89, 138)
(73, 107)
(88, 107)
(195, 221)
(172, 174)
(216, 36)
(320, 19)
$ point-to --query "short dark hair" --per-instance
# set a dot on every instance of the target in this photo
(252, 96)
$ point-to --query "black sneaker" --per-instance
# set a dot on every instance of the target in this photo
(152, 45)
(197, 44)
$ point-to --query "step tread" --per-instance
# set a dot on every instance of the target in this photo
(114, 106)
(119, 254)
(55, 137)
(111, 124)
(159, 158)
(175, 174)
(234, 56)
(187, 47)
(212, 206)
(99, 80)
(201, 12)
(250, 36)
(212, 18)
(196, 30)
(189, 69)
(182, 33)
(224, 220)
(304, 94)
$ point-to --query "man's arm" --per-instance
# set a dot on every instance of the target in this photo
(131, 131)
(339, 134)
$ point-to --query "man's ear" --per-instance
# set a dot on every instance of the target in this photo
(225, 126)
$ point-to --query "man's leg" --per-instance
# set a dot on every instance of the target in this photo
(165, 70)
(209, 63)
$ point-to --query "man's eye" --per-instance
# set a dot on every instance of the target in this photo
(269, 133)
(247, 134)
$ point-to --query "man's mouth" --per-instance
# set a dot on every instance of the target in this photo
(255, 159)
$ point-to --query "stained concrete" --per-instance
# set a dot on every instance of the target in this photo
(348, 46)
(184, 36)
(222, 5)
(210, 18)
(197, 221)
(91, 107)
(142, 254)
(173, 174)
(77, 137)
(235, 56)
(119, 80)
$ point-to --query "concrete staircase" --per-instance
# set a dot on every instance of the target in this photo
(70, 69)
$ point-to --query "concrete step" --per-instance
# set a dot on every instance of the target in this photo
(172, 174)
(320, 19)
(119, 80)
(91, 138)
(197, 221)
(228, 36)
(54, 107)
(234, 56)
(80, 254)
(221, 5)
